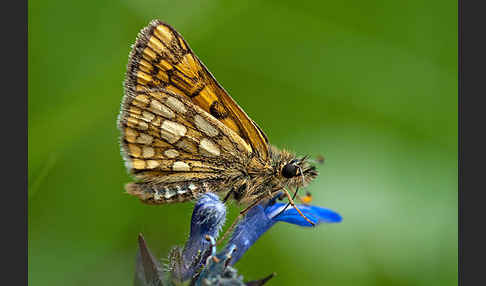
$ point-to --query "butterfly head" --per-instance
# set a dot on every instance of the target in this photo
(298, 172)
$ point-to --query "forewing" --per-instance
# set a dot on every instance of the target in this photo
(162, 58)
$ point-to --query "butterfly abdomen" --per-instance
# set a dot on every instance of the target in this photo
(163, 194)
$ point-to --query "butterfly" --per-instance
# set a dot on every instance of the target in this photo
(182, 134)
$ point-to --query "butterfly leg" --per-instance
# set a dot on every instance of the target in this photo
(305, 199)
(238, 218)
(228, 195)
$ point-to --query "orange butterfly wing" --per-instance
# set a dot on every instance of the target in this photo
(162, 58)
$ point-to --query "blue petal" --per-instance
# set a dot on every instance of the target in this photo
(208, 218)
(260, 218)
(248, 230)
(314, 213)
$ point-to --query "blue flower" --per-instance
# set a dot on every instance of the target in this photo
(262, 217)
(209, 215)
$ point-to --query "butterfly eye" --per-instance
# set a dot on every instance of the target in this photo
(289, 170)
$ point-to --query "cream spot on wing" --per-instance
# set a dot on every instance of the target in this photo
(148, 152)
(180, 166)
(142, 98)
(208, 148)
(131, 121)
(169, 194)
(161, 109)
(138, 164)
(172, 131)
(143, 125)
(205, 126)
(135, 110)
(134, 150)
(192, 187)
(157, 197)
(130, 135)
(144, 139)
(176, 105)
(152, 164)
(171, 153)
(147, 116)
(180, 191)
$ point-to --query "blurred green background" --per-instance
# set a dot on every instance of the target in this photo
(371, 85)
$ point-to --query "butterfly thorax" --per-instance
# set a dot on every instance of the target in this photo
(265, 180)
